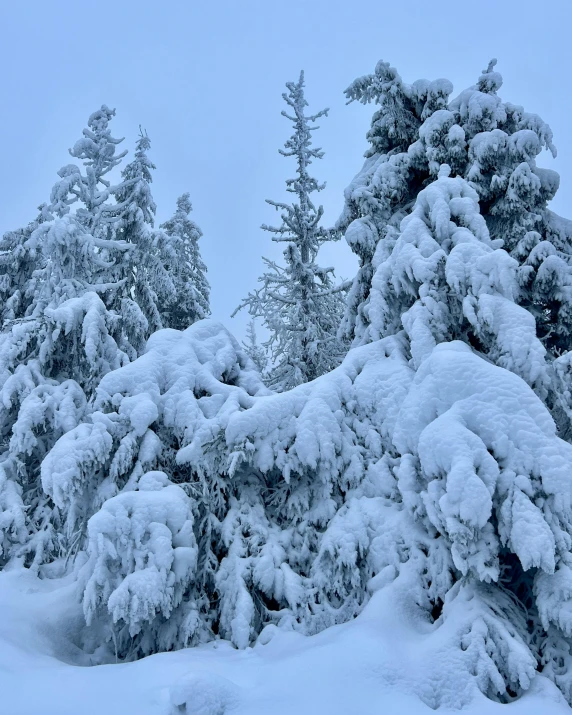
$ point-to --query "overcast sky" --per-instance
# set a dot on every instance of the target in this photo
(205, 80)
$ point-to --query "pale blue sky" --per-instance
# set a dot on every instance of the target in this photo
(205, 79)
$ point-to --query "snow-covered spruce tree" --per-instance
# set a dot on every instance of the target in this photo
(385, 188)
(135, 197)
(50, 360)
(176, 393)
(60, 339)
(142, 271)
(112, 212)
(493, 144)
(298, 303)
(188, 300)
(97, 150)
(143, 560)
(253, 349)
(166, 285)
(18, 261)
(474, 466)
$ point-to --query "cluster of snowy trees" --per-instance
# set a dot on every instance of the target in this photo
(82, 287)
(199, 488)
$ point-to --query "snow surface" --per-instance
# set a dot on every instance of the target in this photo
(382, 662)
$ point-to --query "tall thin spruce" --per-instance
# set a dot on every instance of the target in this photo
(298, 303)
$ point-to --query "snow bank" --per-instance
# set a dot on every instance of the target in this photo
(383, 661)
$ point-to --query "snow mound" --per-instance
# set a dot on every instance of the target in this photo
(203, 694)
(383, 661)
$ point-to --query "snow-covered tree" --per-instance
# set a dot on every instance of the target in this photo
(142, 270)
(142, 560)
(138, 206)
(18, 260)
(495, 494)
(416, 129)
(494, 145)
(110, 212)
(49, 361)
(188, 299)
(97, 151)
(254, 350)
(298, 303)
(60, 337)
(385, 188)
(140, 424)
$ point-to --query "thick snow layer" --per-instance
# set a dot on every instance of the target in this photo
(383, 662)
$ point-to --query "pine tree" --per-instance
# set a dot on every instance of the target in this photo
(494, 145)
(96, 149)
(188, 299)
(18, 260)
(254, 350)
(143, 270)
(298, 303)
(61, 335)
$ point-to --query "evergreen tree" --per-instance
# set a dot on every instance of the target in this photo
(298, 302)
(494, 145)
(18, 260)
(96, 149)
(254, 350)
(138, 206)
(61, 335)
(188, 298)
(448, 293)
(50, 362)
(416, 129)
(143, 270)
(105, 463)
(385, 188)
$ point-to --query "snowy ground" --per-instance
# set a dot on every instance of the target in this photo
(378, 664)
